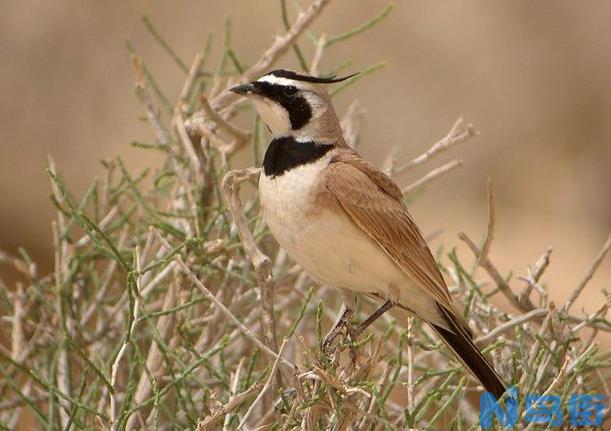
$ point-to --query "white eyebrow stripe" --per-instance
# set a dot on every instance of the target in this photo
(271, 79)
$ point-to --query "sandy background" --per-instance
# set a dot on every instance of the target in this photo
(534, 77)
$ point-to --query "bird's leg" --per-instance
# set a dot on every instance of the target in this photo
(337, 329)
(357, 330)
(354, 331)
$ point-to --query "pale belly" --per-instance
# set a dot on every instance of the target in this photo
(329, 246)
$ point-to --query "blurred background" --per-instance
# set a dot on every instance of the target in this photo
(533, 77)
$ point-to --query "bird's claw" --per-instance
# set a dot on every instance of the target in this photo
(351, 331)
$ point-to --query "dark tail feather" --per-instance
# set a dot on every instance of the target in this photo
(460, 342)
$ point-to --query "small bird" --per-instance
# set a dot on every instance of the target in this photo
(344, 221)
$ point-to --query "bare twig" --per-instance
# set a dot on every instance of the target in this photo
(533, 278)
(517, 321)
(278, 48)
(17, 334)
(86, 239)
(152, 112)
(289, 418)
(362, 27)
(494, 273)
(165, 327)
(233, 131)
(233, 403)
(115, 366)
(235, 384)
(16, 263)
(207, 334)
(457, 134)
(240, 137)
(269, 57)
(597, 261)
(587, 321)
(61, 271)
(16, 403)
(190, 81)
(410, 365)
(262, 264)
(247, 332)
(491, 222)
(185, 140)
(552, 386)
(435, 173)
(391, 160)
(320, 48)
(351, 123)
(268, 385)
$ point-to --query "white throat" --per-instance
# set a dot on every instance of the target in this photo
(274, 115)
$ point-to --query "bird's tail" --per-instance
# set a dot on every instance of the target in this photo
(458, 339)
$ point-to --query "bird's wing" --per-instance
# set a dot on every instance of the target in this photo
(375, 205)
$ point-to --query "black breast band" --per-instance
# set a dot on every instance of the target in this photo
(285, 153)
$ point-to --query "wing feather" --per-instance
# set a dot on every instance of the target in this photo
(375, 205)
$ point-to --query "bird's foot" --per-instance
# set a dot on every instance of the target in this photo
(352, 335)
(343, 330)
(327, 347)
(339, 328)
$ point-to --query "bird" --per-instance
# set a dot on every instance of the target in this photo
(344, 221)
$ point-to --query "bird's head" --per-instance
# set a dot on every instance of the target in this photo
(293, 104)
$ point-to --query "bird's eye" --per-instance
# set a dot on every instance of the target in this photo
(289, 91)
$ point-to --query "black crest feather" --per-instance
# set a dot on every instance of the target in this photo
(289, 74)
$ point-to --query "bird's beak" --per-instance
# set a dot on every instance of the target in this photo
(244, 89)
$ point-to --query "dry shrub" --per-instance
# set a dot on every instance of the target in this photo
(171, 306)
